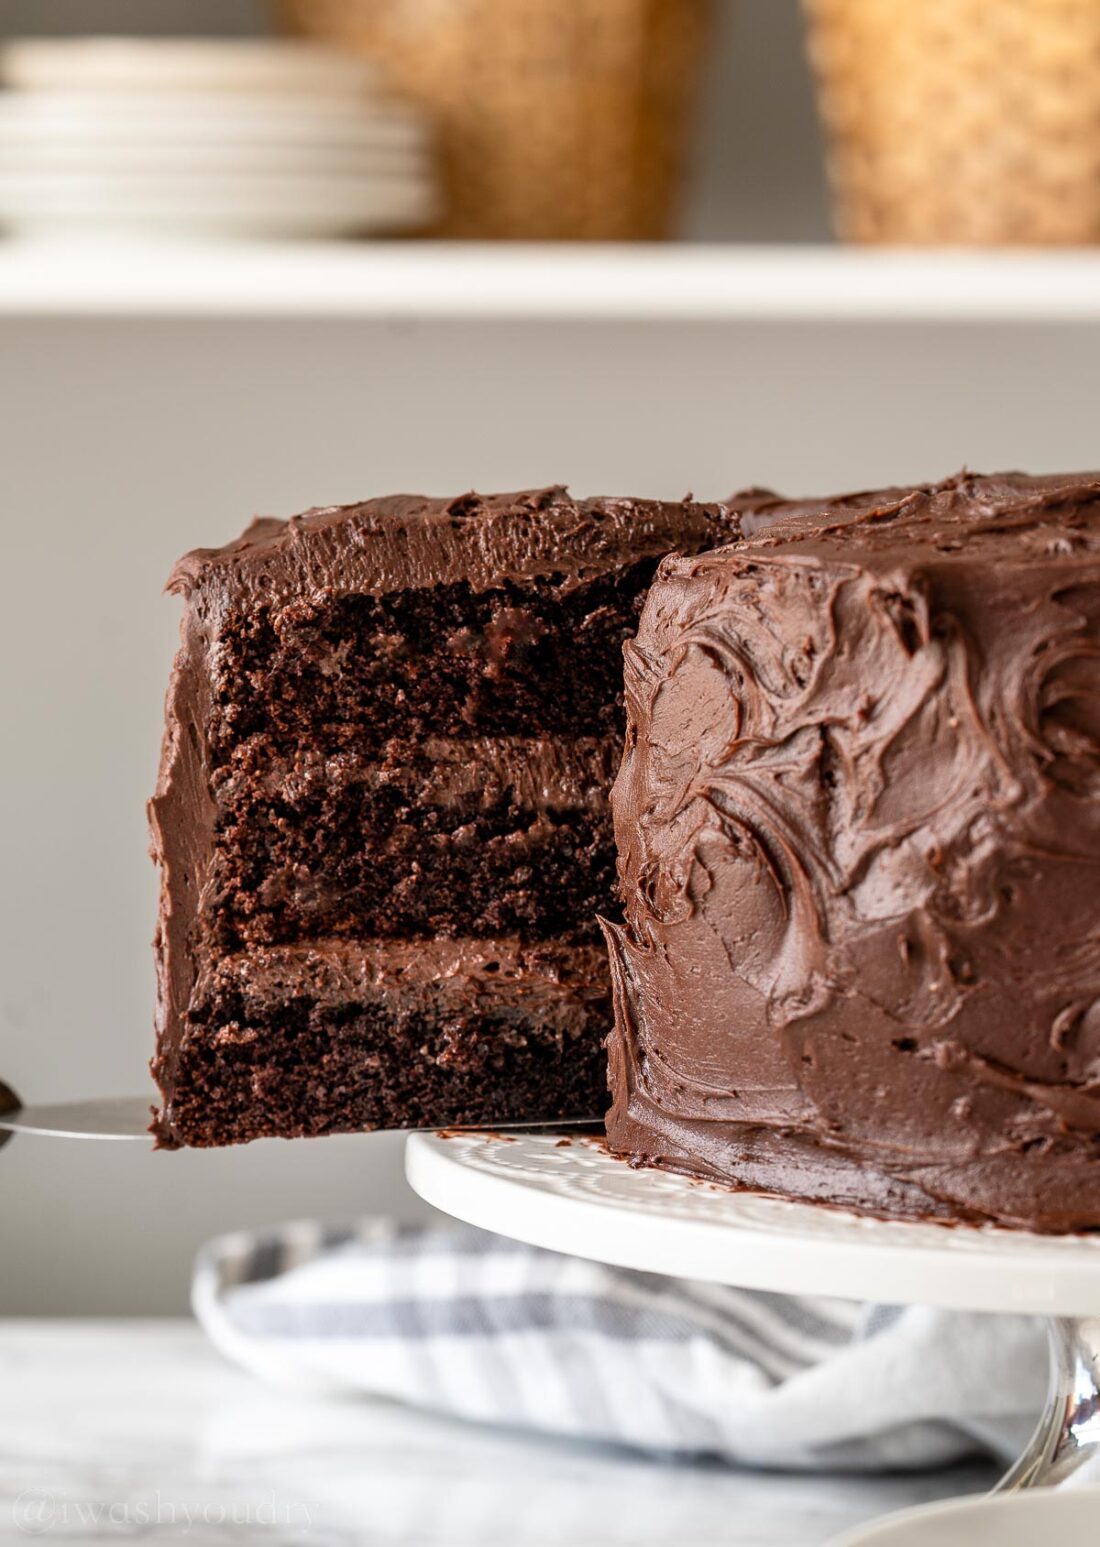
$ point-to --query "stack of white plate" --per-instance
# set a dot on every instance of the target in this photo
(206, 138)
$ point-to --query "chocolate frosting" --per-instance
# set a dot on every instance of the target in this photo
(409, 542)
(561, 982)
(859, 830)
(538, 774)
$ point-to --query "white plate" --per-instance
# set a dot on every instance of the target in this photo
(1039, 1519)
(89, 116)
(210, 158)
(266, 207)
(265, 191)
(64, 227)
(181, 64)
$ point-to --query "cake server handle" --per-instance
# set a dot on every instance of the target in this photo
(109, 1117)
(128, 1117)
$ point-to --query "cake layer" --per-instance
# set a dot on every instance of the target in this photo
(349, 671)
(859, 830)
(500, 615)
(482, 837)
(339, 1036)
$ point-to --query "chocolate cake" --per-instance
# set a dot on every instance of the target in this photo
(382, 812)
(859, 831)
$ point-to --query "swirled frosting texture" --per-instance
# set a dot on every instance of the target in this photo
(858, 821)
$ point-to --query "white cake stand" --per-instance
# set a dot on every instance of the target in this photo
(571, 1196)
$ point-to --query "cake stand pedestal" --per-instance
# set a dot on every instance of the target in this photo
(570, 1195)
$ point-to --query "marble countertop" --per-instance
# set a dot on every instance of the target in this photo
(124, 1430)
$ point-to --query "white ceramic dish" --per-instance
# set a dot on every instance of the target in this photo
(102, 118)
(123, 231)
(576, 1198)
(181, 64)
(229, 207)
(263, 190)
(1038, 1519)
(210, 158)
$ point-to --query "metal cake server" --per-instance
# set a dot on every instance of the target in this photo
(110, 1117)
(127, 1117)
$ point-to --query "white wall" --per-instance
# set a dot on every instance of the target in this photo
(125, 442)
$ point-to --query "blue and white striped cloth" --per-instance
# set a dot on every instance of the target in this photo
(466, 1323)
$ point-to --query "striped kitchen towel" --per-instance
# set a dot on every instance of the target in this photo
(466, 1323)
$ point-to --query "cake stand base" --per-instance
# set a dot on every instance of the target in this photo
(1067, 1440)
(569, 1195)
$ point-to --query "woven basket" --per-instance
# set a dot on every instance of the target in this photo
(961, 121)
(557, 118)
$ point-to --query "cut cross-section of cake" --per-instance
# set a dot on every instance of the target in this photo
(859, 828)
(382, 813)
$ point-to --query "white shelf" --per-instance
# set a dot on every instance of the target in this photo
(476, 281)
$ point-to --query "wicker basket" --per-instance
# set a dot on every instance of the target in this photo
(961, 121)
(558, 118)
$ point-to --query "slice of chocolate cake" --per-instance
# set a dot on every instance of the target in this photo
(382, 813)
(859, 832)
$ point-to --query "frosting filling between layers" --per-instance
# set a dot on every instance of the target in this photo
(535, 774)
(557, 980)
